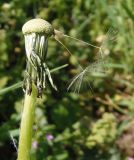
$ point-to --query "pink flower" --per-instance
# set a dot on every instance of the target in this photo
(35, 145)
(49, 137)
(130, 158)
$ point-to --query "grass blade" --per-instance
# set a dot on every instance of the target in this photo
(19, 84)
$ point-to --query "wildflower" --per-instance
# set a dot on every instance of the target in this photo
(36, 33)
(130, 158)
(35, 145)
(49, 137)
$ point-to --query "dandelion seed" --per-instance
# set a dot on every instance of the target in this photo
(99, 66)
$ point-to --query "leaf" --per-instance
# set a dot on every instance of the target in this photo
(11, 88)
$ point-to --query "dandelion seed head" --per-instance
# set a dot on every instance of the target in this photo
(36, 33)
(38, 25)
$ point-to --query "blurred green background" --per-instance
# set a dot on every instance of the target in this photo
(70, 126)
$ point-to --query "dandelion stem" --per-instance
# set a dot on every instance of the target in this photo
(26, 125)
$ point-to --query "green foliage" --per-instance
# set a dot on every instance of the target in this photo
(72, 119)
(103, 132)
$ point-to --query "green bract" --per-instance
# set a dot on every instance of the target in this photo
(38, 25)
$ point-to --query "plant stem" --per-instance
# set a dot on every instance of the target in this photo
(26, 125)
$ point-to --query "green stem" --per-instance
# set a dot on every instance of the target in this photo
(26, 126)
